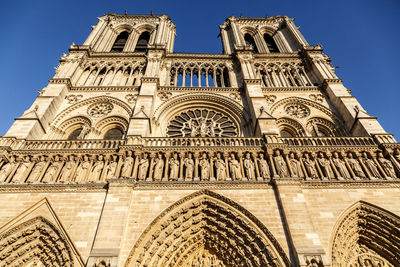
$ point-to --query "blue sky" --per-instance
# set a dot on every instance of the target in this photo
(362, 38)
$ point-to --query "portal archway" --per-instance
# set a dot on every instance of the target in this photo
(206, 226)
(366, 235)
(36, 242)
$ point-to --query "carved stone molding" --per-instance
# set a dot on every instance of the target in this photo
(201, 221)
(366, 234)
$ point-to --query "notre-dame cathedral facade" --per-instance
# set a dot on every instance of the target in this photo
(134, 155)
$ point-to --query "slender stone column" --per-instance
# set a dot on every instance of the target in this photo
(353, 175)
(286, 157)
(382, 171)
(254, 157)
(240, 156)
(166, 166)
(196, 166)
(272, 162)
(152, 156)
(136, 165)
(181, 157)
(228, 175)
(329, 155)
(321, 175)
(366, 171)
(212, 178)
(298, 155)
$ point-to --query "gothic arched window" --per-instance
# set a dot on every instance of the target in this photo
(142, 42)
(120, 42)
(272, 47)
(250, 41)
(75, 133)
(113, 134)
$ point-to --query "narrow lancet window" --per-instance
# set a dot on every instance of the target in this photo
(142, 43)
(250, 42)
(120, 42)
(272, 47)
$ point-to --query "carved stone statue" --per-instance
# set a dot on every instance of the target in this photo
(158, 167)
(340, 166)
(18, 177)
(249, 167)
(6, 169)
(85, 131)
(325, 166)
(310, 166)
(81, 172)
(294, 165)
(111, 168)
(264, 168)
(67, 171)
(355, 166)
(387, 166)
(96, 170)
(220, 166)
(189, 164)
(143, 167)
(36, 171)
(371, 165)
(174, 167)
(280, 164)
(235, 168)
(205, 167)
(51, 173)
(127, 165)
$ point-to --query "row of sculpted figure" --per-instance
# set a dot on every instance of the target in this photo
(58, 169)
(196, 166)
(337, 165)
(204, 166)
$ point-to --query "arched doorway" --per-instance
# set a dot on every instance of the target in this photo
(206, 229)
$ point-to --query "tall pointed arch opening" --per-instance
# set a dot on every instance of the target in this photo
(206, 229)
(366, 235)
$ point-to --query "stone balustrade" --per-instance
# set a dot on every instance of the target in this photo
(70, 144)
(329, 141)
(202, 142)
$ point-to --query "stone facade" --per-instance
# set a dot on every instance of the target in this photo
(134, 155)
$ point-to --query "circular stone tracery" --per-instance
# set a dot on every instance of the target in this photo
(100, 109)
(201, 123)
(297, 110)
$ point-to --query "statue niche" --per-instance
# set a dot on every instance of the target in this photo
(201, 123)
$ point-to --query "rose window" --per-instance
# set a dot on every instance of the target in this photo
(201, 123)
(100, 109)
(297, 110)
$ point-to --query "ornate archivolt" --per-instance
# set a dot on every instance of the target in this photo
(366, 235)
(35, 240)
(209, 227)
(111, 122)
(102, 112)
(177, 105)
(306, 114)
(291, 126)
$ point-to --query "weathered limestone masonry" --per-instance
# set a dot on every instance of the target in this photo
(134, 155)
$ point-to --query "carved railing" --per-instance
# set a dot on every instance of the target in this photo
(329, 141)
(201, 142)
(71, 144)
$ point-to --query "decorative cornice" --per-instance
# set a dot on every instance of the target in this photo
(291, 89)
(24, 188)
